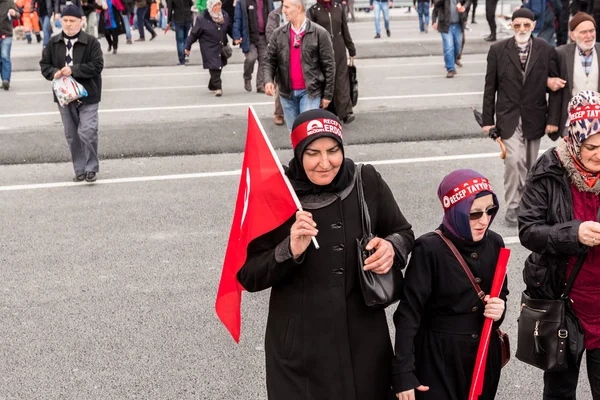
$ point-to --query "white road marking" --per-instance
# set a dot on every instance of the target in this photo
(511, 240)
(431, 76)
(235, 71)
(236, 172)
(228, 105)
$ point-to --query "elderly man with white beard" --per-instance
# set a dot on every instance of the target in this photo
(514, 102)
(578, 65)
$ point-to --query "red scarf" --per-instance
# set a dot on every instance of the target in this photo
(589, 178)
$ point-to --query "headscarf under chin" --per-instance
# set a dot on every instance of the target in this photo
(217, 17)
(457, 204)
(308, 127)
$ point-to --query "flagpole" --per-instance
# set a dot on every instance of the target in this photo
(285, 178)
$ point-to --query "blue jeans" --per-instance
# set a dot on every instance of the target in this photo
(5, 65)
(181, 35)
(296, 105)
(423, 11)
(46, 29)
(127, 26)
(452, 43)
(378, 7)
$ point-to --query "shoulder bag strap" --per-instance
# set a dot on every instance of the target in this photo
(574, 273)
(463, 264)
(365, 219)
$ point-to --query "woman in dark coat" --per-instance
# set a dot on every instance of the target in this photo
(440, 316)
(111, 23)
(558, 219)
(211, 30)
(322, 342)
(332, 16)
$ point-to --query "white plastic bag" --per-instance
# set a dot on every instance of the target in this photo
(68, 90)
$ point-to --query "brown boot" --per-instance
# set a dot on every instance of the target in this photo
(278, 120)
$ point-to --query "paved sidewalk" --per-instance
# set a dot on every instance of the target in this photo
(405, 41)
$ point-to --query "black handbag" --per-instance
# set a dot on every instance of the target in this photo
(379, 291)
(353, 83)
(550, 336)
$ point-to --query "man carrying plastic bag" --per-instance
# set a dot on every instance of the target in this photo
(77, 56)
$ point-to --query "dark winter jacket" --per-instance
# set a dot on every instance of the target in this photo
(510, 97)
(88, 63)
(322, 342)
(245, 25)
(442, 14)
(318, 61)
(6, 25)
(212, 37)
(547, 227)
(179, 11)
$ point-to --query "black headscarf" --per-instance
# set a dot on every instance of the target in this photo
(315, 120)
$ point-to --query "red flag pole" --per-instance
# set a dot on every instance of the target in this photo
(480, 362)
(285, 178)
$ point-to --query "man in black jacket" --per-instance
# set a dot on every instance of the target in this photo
(515, 94)
(8, 12)
(180, 18)
(449, 18)
(275, 20)
(304, 71)
(77, 54)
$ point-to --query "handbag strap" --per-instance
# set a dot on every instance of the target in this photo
(463, 264)
(574, 273)
(365, 219)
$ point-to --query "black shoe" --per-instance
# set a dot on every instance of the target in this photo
(248, 85)
(90, 177)
(388, 32)
(38, 38)
(473, 21)
(378, 36)
(79, 177)
(490, 38)
(5, 85)
(115, 51)
(260, 90)
(109, 49)
(349, 118)
(153, 37)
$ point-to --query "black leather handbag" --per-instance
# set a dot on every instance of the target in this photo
(379, 291)
(353, 83)
(550, 336)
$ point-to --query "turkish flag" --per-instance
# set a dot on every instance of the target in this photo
(265, 201)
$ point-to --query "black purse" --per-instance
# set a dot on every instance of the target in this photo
(379, 291)
(353, 81)
(550, 336)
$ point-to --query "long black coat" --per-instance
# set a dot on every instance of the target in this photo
(336, 23)
(88, 63)
(322, 342)
(440, 317)
(508, 98)
(120, 24)
(212, 37)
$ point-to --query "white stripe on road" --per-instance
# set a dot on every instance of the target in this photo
(236, 172)
(228, 105)
(431, 76)
(202, 72)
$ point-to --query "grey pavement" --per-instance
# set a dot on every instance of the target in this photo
(406, 41)
(169, 111)
(107, 291)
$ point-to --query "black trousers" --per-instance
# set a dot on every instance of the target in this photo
(474, 3)
(112, 37)
(563, 385)
(215, 79)
(490, 14)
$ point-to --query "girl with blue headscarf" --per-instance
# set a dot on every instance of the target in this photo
(440, 316)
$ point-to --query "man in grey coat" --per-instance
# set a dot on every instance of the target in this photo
(275, 20)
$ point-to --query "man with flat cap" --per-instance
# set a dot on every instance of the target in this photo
(75, 53)
(514, 102)
(578, 65)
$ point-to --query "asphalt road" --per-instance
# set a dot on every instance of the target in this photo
(169, 111)
(107, 291)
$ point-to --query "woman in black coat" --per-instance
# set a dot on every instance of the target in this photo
(440, 316)
(332, 16)
(322, 342)
(111, 25)
(211, 30)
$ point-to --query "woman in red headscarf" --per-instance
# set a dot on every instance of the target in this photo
(322, 341)
(440, 316)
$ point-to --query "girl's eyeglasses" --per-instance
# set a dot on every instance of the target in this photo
(474, 216)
